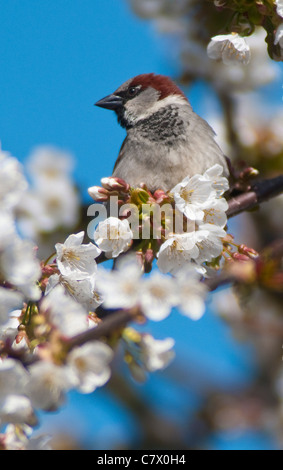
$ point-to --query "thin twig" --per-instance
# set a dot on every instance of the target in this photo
(111, 323)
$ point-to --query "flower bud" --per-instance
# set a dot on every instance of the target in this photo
(149, 256)
(47, 269)
(250, 252)
(228, 238)
(98, 194)
(249, 172)
(160, 196)
(44, 283)
(116, 184)
(240, 257)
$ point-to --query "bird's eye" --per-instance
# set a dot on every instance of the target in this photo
(132, 91)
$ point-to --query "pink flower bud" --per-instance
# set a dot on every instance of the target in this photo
(240, 257)
(160, 196)
(125, 213)
(249, 172)
(98, 194)
(47, 269)
(149, 256)
(116, 184)
(248, 251)
(44, 283)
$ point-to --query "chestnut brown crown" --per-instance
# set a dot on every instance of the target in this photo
(161, 83)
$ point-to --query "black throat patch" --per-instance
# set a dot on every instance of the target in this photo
(164, 125)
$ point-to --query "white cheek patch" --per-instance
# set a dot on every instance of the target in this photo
(176, 100)
(131, 113)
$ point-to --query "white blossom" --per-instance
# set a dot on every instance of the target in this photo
(193, 195)
(204, 244)
(176, 252)
(90, 365)
(52, 201)
(17, 409)
(216, 213)
(83, 291)
(8, 229)
(113, 236)
(19, 437)
(156, 354)
(227, 305)
(9, 329)
(193, 54)
(75, 259)
(13, 439)
(157, 296)
(209, 242)
(47, 163)
(13, 378)
(191, 293)
(48, 384)
(279, 7)
(12, 181)
(63, 312)
(230, 48)
(279, 36)
(199, 197)
(47, 207)
(120, 287)
(9, 300)
(219, 182)
(21, 268)
(239, 77)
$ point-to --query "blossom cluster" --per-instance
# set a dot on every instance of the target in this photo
(47, 305)
(29, 319)
(230, 50)
(200, 199)
(233, 47)
(18, 263)
(51, 202)
(154, 295)
(43, 304)
(191, 230)
(62, 312)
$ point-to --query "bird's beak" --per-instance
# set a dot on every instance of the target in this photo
(110, 102)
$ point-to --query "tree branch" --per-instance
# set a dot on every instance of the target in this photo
(261, 191)
(111, 323)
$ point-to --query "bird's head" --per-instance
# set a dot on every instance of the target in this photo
(142, 96)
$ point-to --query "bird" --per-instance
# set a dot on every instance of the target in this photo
(166, 140)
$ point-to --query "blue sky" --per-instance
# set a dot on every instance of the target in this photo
(57, 58)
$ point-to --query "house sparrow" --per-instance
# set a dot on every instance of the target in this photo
(166, 140)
